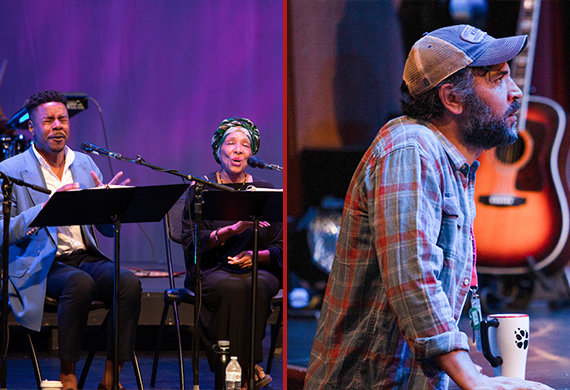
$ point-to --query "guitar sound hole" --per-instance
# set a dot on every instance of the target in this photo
(510, 154)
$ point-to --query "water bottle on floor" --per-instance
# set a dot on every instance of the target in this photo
(233, 375)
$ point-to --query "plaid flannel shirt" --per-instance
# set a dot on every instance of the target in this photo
(402, 267)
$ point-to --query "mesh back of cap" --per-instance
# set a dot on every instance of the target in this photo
(430, 61)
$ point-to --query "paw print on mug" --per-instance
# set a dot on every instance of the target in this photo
(521, 338)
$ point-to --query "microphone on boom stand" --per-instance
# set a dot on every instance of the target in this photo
(88, 147)
(254, 162)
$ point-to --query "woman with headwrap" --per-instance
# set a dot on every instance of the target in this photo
(226, 257)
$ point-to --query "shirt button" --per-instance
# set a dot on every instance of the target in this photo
(466, 282)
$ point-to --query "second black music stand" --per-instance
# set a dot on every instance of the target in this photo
(262, 204)
(110, 205)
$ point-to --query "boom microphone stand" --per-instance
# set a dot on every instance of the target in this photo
(200, 183)
(7, 184)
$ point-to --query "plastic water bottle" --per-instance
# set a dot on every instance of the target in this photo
(233, 375)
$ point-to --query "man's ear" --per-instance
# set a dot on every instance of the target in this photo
(31, 126)
(450, 100)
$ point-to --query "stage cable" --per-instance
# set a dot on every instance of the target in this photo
(113, 175)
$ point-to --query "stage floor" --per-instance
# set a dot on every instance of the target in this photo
(20, 374)
(548, 359)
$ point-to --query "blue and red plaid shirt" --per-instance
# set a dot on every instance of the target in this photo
(402, 267)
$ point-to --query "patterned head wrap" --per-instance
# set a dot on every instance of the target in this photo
(230, 125)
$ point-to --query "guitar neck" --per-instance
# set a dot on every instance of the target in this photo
(521, 66)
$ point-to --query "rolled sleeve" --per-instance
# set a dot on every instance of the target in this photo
(425, 349)
(428, 347)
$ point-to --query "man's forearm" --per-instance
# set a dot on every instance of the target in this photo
(460, 368)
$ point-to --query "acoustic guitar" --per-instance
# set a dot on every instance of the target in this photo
(521, 193)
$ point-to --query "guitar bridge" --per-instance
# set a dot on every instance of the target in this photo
(502, 200)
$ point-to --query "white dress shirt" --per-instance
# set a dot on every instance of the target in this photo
(69, 238)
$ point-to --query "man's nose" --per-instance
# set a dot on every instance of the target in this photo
(514, 92)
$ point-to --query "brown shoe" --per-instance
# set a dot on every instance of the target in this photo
(261, 379)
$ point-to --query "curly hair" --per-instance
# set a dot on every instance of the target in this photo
(428, 106)
(43, 97)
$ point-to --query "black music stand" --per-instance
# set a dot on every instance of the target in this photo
(110, 205)
(262, 204)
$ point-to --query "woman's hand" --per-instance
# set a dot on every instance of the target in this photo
(241, 226)
(113, 181)
(222, 234)
(242, 260)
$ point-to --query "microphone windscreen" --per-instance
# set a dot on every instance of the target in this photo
(252, 162)
(86, 146)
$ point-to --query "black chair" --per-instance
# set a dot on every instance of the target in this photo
(51, 306)
(172, 296)
(277, 303)
(175, 296)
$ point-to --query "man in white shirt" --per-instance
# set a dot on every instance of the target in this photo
(63, 262)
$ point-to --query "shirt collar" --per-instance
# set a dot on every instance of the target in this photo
(458, 161)
(69, 157)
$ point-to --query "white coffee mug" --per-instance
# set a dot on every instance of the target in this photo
(505, 343)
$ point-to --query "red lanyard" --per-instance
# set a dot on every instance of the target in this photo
(474, 281)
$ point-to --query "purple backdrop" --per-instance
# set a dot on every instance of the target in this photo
(165, 74)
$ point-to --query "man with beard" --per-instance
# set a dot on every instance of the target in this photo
(404, 262)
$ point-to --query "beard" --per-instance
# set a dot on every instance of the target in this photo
(483, 128)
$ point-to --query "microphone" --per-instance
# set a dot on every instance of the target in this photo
(90, 148)
(254, 162)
